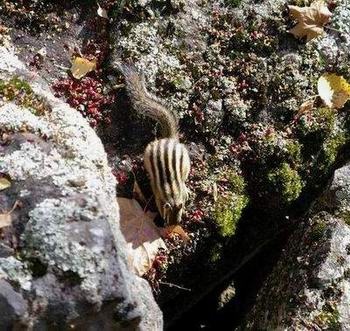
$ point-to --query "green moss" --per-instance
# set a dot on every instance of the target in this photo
(331, 148)
(229, 206)
(237, 182)
(318, 231)
(20, 92)
(345, 216)
(228, 211)
(329, 317)
(287, 182)
(293, 148)
(319, 122)
(216, 253)
(233, 3)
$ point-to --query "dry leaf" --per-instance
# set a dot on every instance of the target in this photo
(306, 106)
(334, 90)
(102, 12)
(141, 234)
(4, 183)
(311, 20)
(5, 220)
(176, 229)
(80, 67)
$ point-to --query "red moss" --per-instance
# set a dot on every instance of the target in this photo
(157, 272)
(85, 95)
(196, 215)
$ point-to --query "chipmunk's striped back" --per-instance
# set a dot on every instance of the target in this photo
(168, 164)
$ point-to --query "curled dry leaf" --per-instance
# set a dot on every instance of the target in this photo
(334, 90)
(311, 20)
(176, 229)
(141, 234)
(306, 106)
(81, 67)
(4, 183)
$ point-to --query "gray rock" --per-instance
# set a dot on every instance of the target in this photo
(70, 266)
(12, 305)
(309, 287)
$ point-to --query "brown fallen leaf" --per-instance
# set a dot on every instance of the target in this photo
(141, 234)
(306, 106)
(4, 183)
(81, 67)
(311, 20)
(176, 229)
(6, 219)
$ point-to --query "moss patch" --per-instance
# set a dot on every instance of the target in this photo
(229, 206)
(332, 146)
(233, 3)
(287, 182)
(329, 318)
(21, 93)
(345, 216)
(318, 231)
(293, 148)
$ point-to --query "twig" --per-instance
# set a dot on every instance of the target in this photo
(147, 203)
(174, 285)
(16, 204)
(336, 30)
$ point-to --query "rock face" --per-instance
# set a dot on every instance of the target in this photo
(62, 260)
(309, 287)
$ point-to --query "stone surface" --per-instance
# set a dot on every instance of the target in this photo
(309, 287)
(62, 261)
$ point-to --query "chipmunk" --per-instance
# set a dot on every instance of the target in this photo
(166, 160)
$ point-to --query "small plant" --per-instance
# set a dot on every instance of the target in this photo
(20, 92)
(287, 182)
(233, 3)
(230, 204)
(86, 95)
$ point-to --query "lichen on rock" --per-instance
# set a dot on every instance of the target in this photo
(68, 252)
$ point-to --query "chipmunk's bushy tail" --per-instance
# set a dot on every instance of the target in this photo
(145, 103)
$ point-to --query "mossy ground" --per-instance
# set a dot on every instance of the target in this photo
(20, 92)
(238, 98)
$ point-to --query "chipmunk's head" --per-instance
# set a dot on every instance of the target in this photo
(172, 208)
